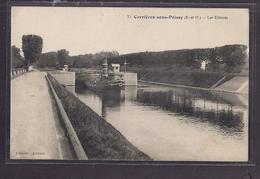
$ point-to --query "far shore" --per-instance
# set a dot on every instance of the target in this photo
(191, 87)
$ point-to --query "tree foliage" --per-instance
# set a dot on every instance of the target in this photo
(17, 59)
(63, 57)
(49, 59)
(229, 58)
(32, 48)
(92, 60)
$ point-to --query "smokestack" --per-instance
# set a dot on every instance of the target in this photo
(105, 68)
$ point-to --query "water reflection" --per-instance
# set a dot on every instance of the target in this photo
(196, 109)
(112, 99)
(176, 123)
(101, 101)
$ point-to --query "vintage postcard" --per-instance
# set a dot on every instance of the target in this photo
(131, 84)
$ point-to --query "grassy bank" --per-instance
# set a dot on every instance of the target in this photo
(99, 139)
(179, 76)
(194, 79)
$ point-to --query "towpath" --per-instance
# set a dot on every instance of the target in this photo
(35, 129)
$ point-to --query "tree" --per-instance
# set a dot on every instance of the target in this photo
(63, 57)
(32, 48)
(236, 60)
(17, 59)
(49, 59)
(232, 56)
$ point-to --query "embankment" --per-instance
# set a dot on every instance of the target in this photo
(99, 139)
(186, 77)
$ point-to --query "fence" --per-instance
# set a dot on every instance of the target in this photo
(17, 71)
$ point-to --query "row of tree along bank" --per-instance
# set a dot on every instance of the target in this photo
(182, 67)
(228, 58)
(225, 59)
(99, 139)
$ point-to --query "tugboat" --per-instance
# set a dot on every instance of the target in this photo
(104, 81)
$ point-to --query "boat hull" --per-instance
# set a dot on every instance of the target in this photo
(104, 87)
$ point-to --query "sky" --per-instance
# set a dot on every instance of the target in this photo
(82, 30)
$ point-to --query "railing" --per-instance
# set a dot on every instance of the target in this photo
(78, 149)
(17, 71)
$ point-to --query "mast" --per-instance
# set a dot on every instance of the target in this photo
(105, 68)
(125, 65)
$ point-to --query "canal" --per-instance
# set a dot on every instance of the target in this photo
(176, 124)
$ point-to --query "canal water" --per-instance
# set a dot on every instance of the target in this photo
(176, 124)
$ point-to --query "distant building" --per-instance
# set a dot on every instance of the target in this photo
(129, 77)
(116, 67)
(30, 68)
(65, 68)
(203, 65)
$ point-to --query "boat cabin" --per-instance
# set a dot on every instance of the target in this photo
(115, 67)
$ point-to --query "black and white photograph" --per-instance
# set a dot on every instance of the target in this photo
(129, 84)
